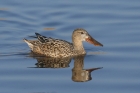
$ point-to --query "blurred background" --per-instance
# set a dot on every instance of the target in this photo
(115, 24)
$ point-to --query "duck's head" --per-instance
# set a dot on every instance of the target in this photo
(82, 35)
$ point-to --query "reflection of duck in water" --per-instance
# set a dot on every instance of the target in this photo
(44, 62)
(60, 48)
(78, 73)
(50, 62)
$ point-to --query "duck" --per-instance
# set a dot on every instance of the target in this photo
(52, 47)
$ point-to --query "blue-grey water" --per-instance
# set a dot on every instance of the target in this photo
(114, 23)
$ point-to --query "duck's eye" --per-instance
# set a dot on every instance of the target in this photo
(82, 33)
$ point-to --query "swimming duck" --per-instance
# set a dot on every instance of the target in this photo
(52, 47)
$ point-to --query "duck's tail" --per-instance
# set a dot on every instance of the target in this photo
(28, 42)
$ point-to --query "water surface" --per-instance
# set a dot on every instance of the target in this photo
(113, 23)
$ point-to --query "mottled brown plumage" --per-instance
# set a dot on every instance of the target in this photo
(60, 48)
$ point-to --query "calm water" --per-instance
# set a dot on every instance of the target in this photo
(115, 24)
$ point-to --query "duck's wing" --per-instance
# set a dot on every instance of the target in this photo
(41, 38)
(44, 39)
(55, 47)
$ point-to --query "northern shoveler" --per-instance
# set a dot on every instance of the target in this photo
(60, 48)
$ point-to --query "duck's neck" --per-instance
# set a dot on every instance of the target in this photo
(78, 46)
